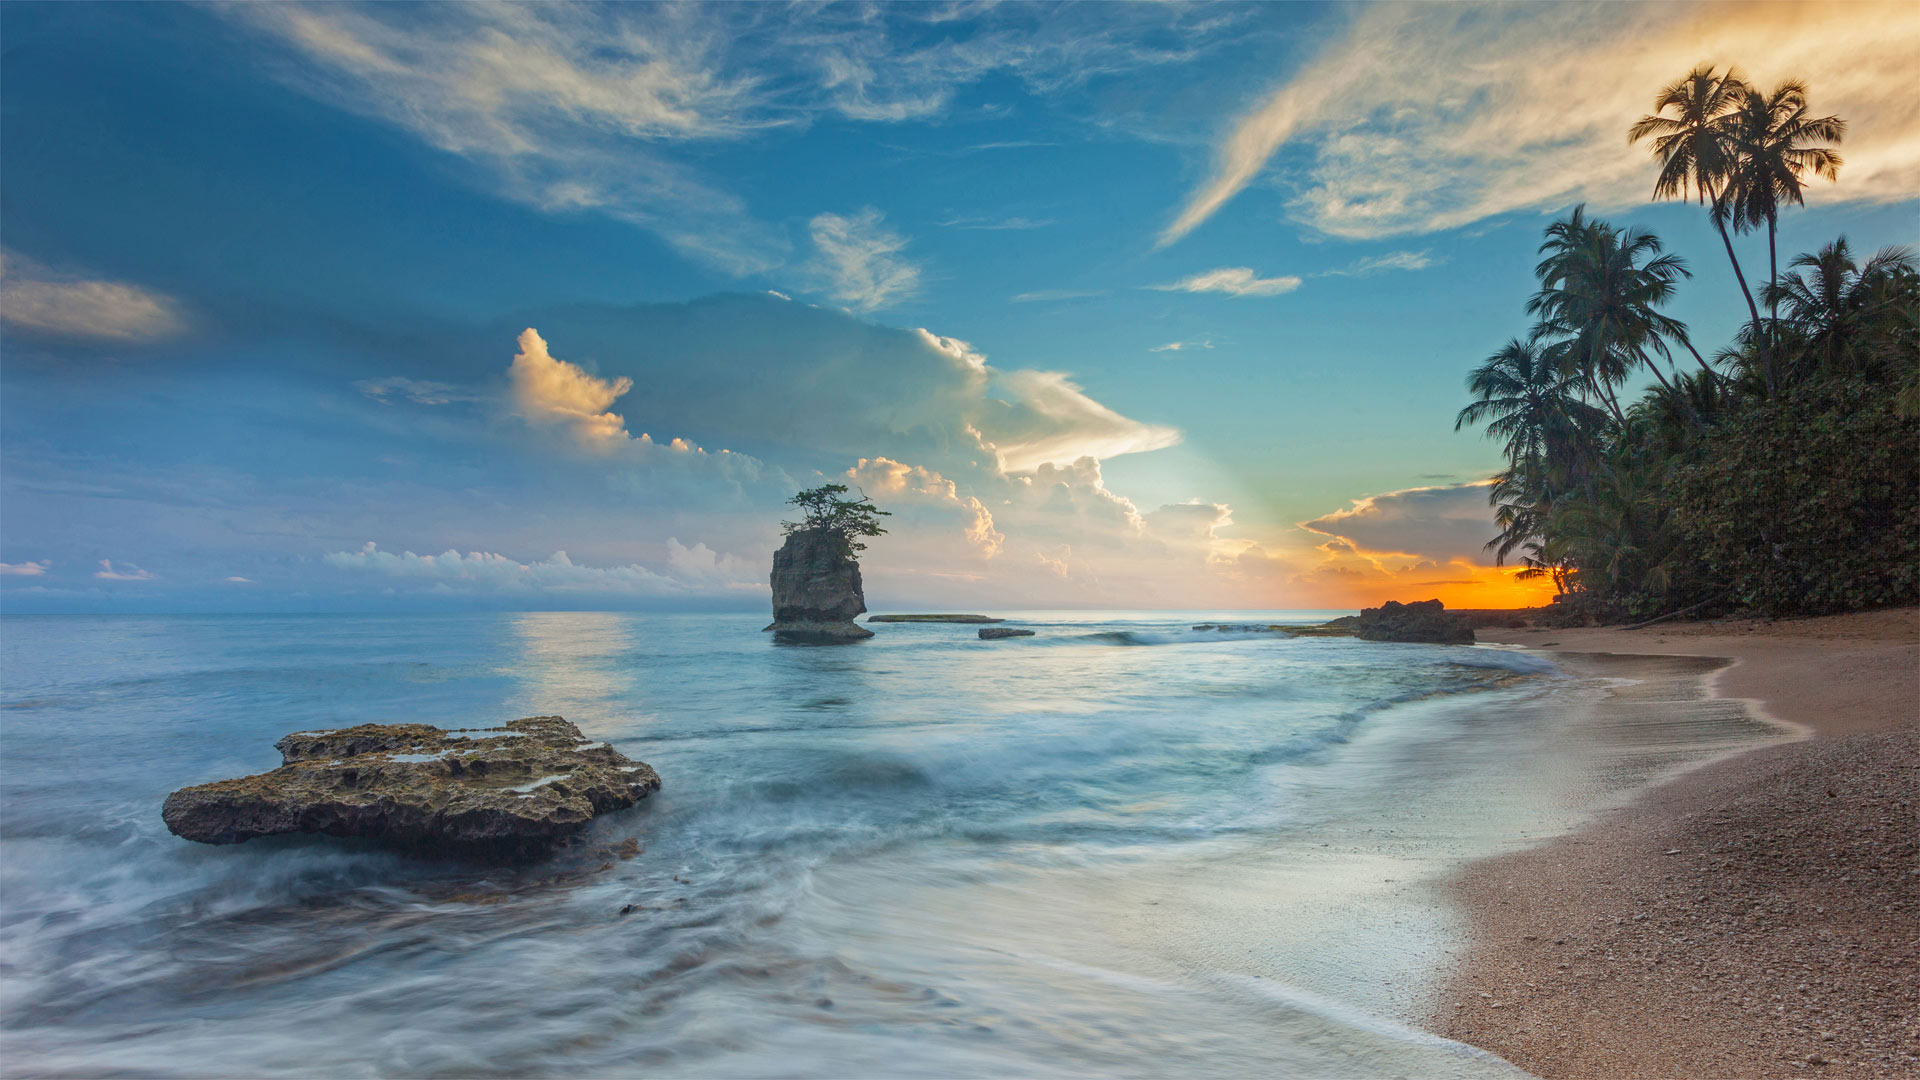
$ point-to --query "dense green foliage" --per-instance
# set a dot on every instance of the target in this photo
(1781, 477)
(823, 509)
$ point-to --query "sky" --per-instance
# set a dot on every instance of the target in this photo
(1159, 306)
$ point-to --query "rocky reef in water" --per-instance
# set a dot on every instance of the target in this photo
(1421, 621)
(990, 633)
(816, 588)
(513, 790)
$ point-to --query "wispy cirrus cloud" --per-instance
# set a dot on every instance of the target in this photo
(1380, 264)
(1233, 281)
(36, 298)
(1014, 224)
(1419, 118)
(394, 388)
(1182, 346)
(861, 260)
(1041, 296)
(574, 108)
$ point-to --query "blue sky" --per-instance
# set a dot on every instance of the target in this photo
(1106, 301)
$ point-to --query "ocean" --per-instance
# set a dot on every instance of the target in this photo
(1122, 847)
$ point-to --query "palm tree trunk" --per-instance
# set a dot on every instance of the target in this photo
(1720, 225)
(1773, 281)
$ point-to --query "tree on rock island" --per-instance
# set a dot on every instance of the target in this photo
(816, 576)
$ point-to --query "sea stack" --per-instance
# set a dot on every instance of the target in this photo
(816, 588)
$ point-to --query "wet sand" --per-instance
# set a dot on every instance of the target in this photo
(1756, 917)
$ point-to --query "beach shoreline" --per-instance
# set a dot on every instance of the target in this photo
(1758, 915)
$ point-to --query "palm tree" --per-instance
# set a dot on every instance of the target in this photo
(1775, 145)
(1528, 399)
(1695, 147)
(1601, 288)
(1849, 315)
(1525, 397)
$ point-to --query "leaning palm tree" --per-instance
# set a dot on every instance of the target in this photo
(1601, 289)
(1776, 145)
(1696, 148)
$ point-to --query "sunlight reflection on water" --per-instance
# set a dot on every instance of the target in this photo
(921, 855)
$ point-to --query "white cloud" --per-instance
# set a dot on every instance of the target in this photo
(238, 580)
(1045, 295)
(552, 391)
(564, 107)
(702, 563)
(26, 569)
(125, 572)
(576, 108)
(487, 571)
(35, 298)
(1052, 420)
(1234, 281)
(1418, 118)
(418, 391)
(860, 260)
(997, 224)
(1182, 346)
(1378, 264)
(883, 476)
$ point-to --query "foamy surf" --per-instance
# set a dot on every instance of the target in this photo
(914, 856)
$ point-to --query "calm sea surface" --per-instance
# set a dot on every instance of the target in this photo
(1121, 847)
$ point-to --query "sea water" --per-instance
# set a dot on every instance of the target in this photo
(1121, 847)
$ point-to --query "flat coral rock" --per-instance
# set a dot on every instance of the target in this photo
(516, 789)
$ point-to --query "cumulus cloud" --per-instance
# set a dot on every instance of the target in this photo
(34, 298)
(883, 476)
(860, 260)
(1434, 523)
(124, 572)
(1418, 118)
(702, 563)
(488, 571)
(1234, 281)
(26, 569)
(552, 391)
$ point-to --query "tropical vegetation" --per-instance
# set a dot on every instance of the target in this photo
(823, 510)
(1781, 475)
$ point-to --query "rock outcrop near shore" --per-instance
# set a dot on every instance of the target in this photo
(816, 588)
(512, 790)
(1421, 621)
(991, 633)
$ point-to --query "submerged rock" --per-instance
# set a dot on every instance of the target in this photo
(1422, 620)
(816, 588)
(992, 632)
(512, 790)
(934, 618)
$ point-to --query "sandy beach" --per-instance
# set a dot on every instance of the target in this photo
(1756, 917)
